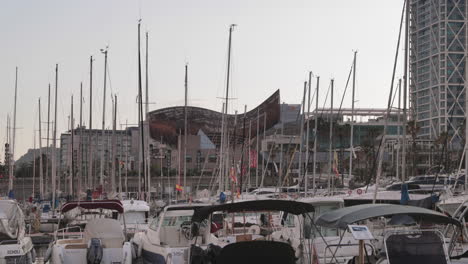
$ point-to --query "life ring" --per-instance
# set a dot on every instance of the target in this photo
(359, 191)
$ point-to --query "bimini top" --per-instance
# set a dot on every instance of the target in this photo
(115, 205)
(343, 217)
(292, 207)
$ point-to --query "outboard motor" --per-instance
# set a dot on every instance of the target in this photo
(95, 251)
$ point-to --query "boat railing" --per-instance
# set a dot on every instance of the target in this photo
(66, 232)
(338, 246)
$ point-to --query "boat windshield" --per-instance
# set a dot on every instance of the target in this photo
(137, 217)
(176, 220)
(172, 219)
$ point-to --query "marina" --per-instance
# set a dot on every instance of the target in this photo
(274, 163)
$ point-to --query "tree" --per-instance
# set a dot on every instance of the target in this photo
(413, 129)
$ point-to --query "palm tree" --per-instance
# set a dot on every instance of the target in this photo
(413, 129)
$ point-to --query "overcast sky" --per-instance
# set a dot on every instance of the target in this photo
(275, 44)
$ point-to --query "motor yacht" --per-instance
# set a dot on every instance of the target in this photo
(401, 234)
(168, 237)
(15, 247)
(247, 242)
(103, 240)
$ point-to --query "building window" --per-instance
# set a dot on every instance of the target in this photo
(212, 159)
(188, 159)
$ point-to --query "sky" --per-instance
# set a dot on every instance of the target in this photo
(274, 46)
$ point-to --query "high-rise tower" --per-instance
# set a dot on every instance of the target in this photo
(437, 67)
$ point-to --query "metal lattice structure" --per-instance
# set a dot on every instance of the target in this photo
(437, 67)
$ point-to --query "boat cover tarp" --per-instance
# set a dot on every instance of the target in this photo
(292, 207)
(343, 217)
(115, 205)
(426, 247)
(11, 220)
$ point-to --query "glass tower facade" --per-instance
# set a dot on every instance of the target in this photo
(437, 68)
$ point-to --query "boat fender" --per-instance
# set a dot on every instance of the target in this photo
(95, 251)
(48, 253)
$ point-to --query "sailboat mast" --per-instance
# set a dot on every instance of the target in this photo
(226, 105)
(12, 157)
(47, 142)
(250, 154)
(306, 176)
(221, 152)
(54, 142)
(8, 147)
(351, 139)
(119, 163)
(280, 174)
(80, 146)
(140, 106)
(34, 166)
(397, 167)
(72, 170)
(228, 74)
(257, 139)
(266, 150)
(315, 134)
(179, 150)
(405, 91)
(330, 147)
(90, 134)
(114, 148)
(126, 156)
(41, 176)
(148, 163)
(185, 131)
(104, 145)
(301, 133)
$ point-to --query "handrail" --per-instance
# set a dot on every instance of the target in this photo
(65, 230)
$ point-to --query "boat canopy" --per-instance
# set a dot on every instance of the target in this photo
(343, 217)
(114, 205)
(292, 207)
